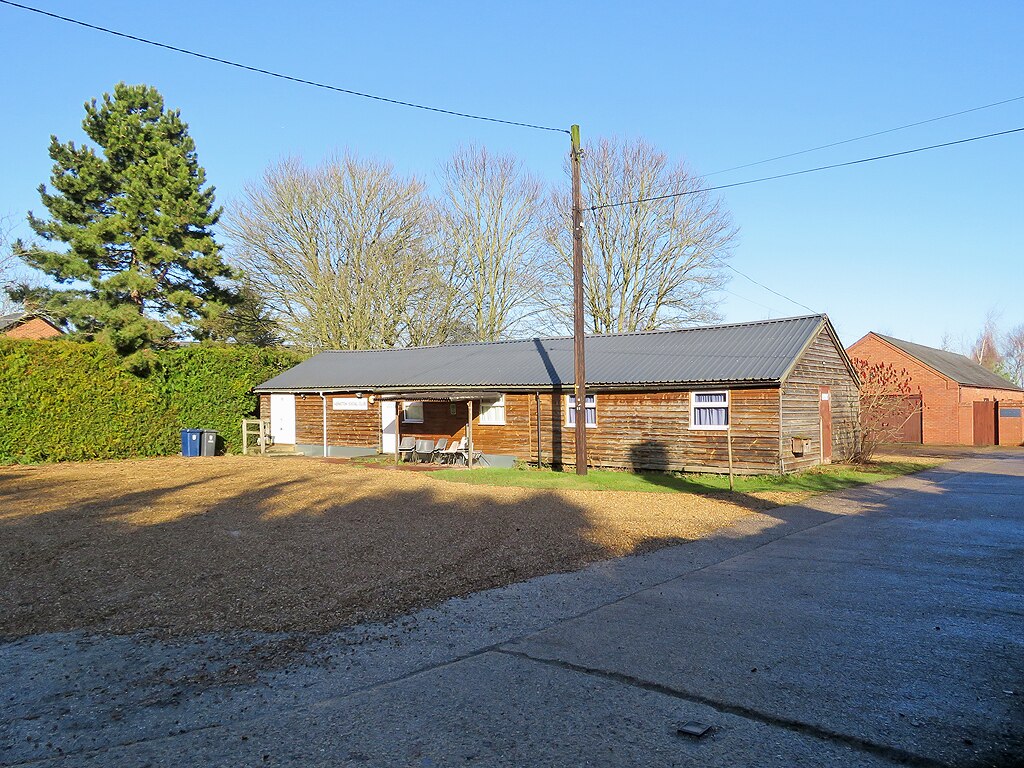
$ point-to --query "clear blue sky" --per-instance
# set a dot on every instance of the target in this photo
(915, 246)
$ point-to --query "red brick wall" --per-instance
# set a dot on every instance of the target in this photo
(36, 328)
(940, 397)
(1011, 429)
(948, 416)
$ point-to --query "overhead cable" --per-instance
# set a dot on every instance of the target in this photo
(279, 75)
(867, 135)
(798, 173)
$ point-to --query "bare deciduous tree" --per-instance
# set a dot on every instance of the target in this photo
(985, 350)
(648, 265)
(490, 231)
(1013, 354)
(885, 405)
(9, 264)
(340, 251)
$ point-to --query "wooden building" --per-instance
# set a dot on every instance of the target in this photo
(954, 401)
(28, 325)
(782, 392)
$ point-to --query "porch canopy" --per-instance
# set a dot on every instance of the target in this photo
(439, 397)
(454, 396)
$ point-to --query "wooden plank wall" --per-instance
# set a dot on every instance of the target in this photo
(344, 428)
(515, 438)
(821, 364)
(651, 430)
(635, 430)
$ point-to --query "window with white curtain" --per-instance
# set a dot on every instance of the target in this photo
(412, 412)
(492, 412)
(709, 410)
(590, 407)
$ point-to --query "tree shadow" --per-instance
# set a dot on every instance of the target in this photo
(294, 550)
(649, 454)
(296, 556)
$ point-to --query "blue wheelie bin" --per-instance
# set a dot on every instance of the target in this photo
(191, 442)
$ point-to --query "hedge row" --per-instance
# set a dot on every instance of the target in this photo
(71, 401)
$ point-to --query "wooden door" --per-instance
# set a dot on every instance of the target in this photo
(902, 420)
(825, 412)
(985, 431)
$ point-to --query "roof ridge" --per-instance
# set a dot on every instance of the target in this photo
(958, 358)
(940, 350)
(588, 336)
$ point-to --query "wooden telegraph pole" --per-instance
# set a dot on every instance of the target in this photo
(579, 364)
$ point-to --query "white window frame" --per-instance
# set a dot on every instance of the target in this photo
(727, 405)
(570, 410)
(492, 412)
(405, 412)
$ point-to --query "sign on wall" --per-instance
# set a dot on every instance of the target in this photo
(350, 403)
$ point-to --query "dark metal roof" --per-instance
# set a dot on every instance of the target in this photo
(759, 352)
(6, 321)
(960, 369)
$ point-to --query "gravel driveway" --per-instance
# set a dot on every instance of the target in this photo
(182, 546)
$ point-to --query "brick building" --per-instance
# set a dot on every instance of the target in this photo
(28, 325)
(957, 401)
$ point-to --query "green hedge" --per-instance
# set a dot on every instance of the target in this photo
(71, 401)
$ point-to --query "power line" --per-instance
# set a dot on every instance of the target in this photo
(279, 75)
(741, 296)
(868, 135)
(724, 263)
(799, 173)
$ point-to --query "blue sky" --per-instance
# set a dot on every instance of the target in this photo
(916, 247)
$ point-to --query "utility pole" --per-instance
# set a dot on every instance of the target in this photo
(578, 330)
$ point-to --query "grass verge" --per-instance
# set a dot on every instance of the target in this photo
(833, 477)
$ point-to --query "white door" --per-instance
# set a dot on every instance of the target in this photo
(388, 412)
(282, 419)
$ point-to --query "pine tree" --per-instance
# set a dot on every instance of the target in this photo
(140, 263)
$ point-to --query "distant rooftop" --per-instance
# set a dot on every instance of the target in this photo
(959, 368)
(6, 321)
(758, 353)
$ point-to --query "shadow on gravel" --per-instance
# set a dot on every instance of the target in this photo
(278, 558)
(294, 555)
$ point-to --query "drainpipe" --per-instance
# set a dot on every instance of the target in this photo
(324, 398)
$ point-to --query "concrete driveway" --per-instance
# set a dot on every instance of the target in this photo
(879, 626)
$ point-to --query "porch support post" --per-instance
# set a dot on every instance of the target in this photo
(398, 437)
(536, 397)
(728, 437)
(469, 435)
(324, 398)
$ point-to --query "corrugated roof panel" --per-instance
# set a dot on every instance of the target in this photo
(756, 352)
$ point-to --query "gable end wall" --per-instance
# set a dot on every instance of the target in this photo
(821, 364)
(942, 422)
(35, 328)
